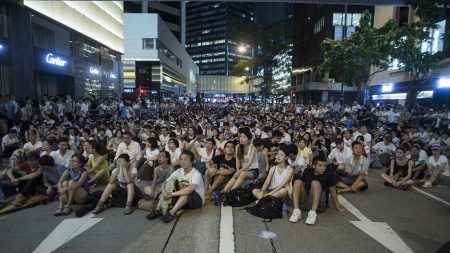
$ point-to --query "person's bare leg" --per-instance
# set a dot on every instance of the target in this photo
(297, 192)
(316, 190)
(244, 175)
(182, 200)
(218, 180)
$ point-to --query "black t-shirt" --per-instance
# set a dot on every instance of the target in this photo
(221, 162)
(327, 179)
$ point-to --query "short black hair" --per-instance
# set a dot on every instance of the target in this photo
(46, 160)
(277, 133)
(124, 156)
(188, 153)
(356, 143)
(319, 158)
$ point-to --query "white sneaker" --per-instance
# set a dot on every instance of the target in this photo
(296, 215)
(312, 216)
(426, 185)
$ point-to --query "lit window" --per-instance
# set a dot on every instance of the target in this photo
(356, 18)
(337, 19)
(148, 43)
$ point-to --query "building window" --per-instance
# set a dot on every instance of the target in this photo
(352, 19)
(43, 37)
(148, 44)
(436, 42)
(4, 21)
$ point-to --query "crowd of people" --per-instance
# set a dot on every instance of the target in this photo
(181, 154)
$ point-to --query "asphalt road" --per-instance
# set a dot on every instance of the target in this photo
(420, 222)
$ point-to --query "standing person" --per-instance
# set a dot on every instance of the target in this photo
(278, 182)
(69, 107)
(313, 180)
(121, 183)
(73, 186)
(247, 162)
(400, 173)
(438, 167)
(191, 196)
(356, 171)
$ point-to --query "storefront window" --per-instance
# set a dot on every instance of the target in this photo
(4, 22)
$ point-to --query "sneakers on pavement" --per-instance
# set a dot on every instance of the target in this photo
(426, 185)
(296, 215)
(312, 216)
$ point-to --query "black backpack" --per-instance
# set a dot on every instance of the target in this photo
(239, 197)
(268, 207)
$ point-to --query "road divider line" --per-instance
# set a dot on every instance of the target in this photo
(426, 194)
(226, 243)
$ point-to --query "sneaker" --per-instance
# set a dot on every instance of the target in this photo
(19, 200)
(296, 215)
(312, 216)
(426, 185)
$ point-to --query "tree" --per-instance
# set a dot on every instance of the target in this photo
(268, 41)
(413, 49)
(356, 59)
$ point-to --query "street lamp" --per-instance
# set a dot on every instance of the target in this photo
(242, 49)
(247, 68)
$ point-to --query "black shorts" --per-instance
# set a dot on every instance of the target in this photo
(255, 173)
(194, 201)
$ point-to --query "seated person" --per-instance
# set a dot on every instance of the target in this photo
(219, 170)
(51, 174)
(203, 155)
(278, 182)
(420, 159)
(161, 173)
(34, 144)
(296, 160)
(73, 185)
(10, 142)
(263, 159)
(63, 154)
(191, 196)
(339, 155)
(314, 180)
(97, 166)
(31, 182)
(437, 167)
(247, 162)
(400, 172)
(122, 182)
(354, 177)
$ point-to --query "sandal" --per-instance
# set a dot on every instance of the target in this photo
(168, 217)
(153, 215)
(58, 211)
(128, 210)
(66, 211)
(98, 209)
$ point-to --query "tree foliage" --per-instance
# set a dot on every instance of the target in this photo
(351, 59)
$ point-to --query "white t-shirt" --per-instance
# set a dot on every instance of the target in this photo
(205, 157)
(62, 159)
(340, 156)
(151, 153)
(30, 147)
(383, 148)
(192, 178)
(299, 162)
(441, 163)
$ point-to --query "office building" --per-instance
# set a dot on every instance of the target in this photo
(155, 64)
(209, 37)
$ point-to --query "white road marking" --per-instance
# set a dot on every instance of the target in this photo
(430, 196)
(66, 231)
(379, 231)
(226, 244)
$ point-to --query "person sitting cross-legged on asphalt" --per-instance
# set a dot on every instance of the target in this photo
(278, 182)
(161, 173)
(354, 177)
(191, 196)
(438, 167)
(51, 174)
(73, 185)
(122, 182)
(314, 180)
(219, 170)
(399, 175)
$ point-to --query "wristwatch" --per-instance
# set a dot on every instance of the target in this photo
(170, 194)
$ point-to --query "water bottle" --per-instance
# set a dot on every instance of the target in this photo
(217, 198)
(285, 210)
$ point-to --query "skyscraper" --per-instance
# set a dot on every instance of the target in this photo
(209, 39)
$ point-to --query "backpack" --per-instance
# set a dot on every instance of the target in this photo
(240, 197)
(268, 207)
